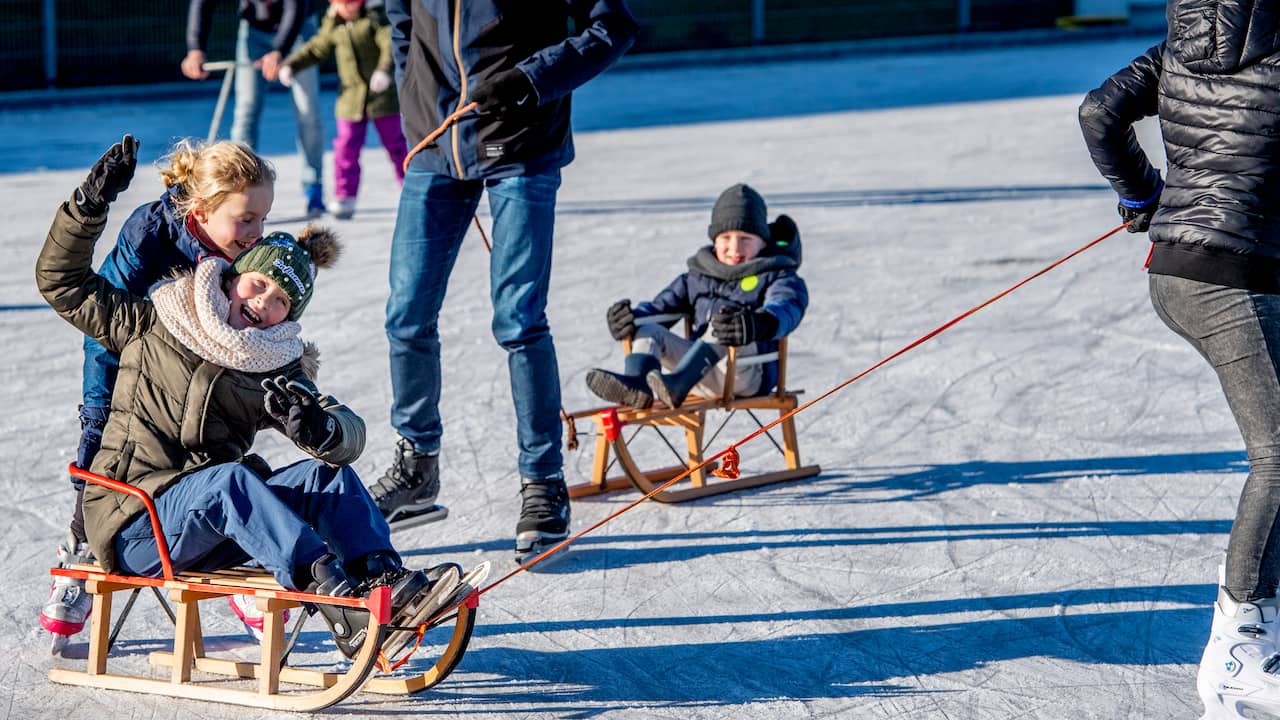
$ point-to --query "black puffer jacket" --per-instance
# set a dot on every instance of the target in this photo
(1215, 84)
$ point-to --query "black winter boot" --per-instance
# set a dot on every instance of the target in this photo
(410, 486)
(671, 388)
(628, 387)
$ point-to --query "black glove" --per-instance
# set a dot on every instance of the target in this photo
(741, 326)
(297, 408)
(109, 177)
(1138, 217)
(508, 91)
(622, 322)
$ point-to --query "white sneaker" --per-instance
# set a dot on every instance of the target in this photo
(68, 605)
(343, 208)
(247, 610)
(1234, 679)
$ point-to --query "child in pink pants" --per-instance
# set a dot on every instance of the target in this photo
(360, 40)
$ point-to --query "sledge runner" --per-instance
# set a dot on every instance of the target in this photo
(212, 358)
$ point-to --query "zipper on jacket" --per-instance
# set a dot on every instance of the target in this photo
(462, 75)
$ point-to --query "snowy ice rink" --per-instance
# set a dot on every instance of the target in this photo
(1020, 519)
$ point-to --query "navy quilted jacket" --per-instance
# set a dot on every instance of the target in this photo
(445, 49)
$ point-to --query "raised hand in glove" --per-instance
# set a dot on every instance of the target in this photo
(1138, 213)
(109, 177)
(622, 322)
(297, 408)
(509, 91)
(742, 326)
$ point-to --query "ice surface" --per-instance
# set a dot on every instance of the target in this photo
(1020, 519)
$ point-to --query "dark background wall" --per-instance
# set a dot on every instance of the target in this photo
(142, 41)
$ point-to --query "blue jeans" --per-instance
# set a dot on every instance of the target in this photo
(434, 213)
(1238, 333)
(252, 44)
(226, 515)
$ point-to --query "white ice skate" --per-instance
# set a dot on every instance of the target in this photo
(69, 605)
(1232, 681)
(247, 610)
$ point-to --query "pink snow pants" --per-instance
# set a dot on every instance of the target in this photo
(349, 142)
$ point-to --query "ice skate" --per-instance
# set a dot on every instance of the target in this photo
(343, 208)
(406, 492)
(68, 605)
(247, 610)
(544, 517)
(431, 599)
(314, 195)
(1233, 680)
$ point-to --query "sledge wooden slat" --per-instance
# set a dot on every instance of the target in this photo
(613, 438)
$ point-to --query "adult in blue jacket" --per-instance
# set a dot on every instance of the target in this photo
(519, 61)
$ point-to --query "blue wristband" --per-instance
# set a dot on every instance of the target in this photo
(1135, 204)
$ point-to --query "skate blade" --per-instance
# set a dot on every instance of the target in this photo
(524, 555)
(59, 644)
(404, 521)
(428, 606)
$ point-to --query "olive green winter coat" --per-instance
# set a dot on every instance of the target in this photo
(172, 412)
(359, 47)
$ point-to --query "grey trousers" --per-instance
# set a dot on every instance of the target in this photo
(1238, 332)
(669, 347)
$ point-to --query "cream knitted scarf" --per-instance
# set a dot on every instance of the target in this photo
(194, 309)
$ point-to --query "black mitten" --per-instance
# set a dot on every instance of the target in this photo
(622, 322)
(297, 408)
(109, 177)
(508, 91)
(741, 326)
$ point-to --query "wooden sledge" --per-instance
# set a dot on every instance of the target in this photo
(692, 417)
(187, 590)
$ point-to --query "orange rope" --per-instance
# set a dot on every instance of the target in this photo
(426, 141)
(732, 449)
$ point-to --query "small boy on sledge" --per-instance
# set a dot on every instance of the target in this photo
(214, 356)
(742, 290)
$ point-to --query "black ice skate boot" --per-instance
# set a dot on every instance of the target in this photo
(628, 387)
(415, 596)
(406, 492)
(671, 388)
(348, 625)
(544, 516)
(437, 586)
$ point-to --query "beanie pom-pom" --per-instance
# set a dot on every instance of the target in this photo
(322, 243)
